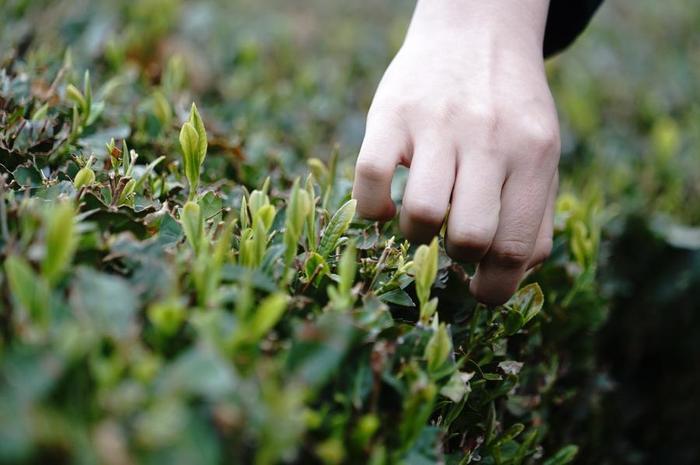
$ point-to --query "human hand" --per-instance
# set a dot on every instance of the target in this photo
(466, 106)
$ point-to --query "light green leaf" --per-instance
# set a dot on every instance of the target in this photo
(337, 226)
(243, 216)
(196, 121)
(347, 267)
(188, 143)
(161, 108)
(266, 316)
(438, 348)
(84, 177)
(315, 267)
(259, 241)
(311, 217)
(318, 169)
(563, 456)
(60, 241)
(256, 201)
(427, 310)
(127, 192)
(425, 263)
(528, 301)
(192, 224)
(87, 92)
(297, 211)
(398, 297)
(40, 113)
(457, 386)
(167, 315)
(27, 289)
(75, 95)
(266, 215)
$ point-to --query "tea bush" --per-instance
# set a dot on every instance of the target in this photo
(188, 283)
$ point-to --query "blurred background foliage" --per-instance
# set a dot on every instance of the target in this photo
(283, 81)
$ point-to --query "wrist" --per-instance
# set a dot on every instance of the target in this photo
(517, 24)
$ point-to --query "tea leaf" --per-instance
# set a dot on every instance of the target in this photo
(337, 226)
(200, 150)
(315, 267)
(167, 316)
(457, 387)
(85, 177)
(266, 316)
(28, 289)
(162, 109)
(297, 210)
(346, 269)
(189, 143)
(562, 456)
(439, 347)
(61, 240)
(528, 302)
(425, 265)
(76, 96)
(192, 224)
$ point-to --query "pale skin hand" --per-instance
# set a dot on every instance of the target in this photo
(466, 106)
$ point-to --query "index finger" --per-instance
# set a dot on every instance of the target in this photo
(384, 146)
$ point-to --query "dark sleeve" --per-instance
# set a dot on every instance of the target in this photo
(565, 21)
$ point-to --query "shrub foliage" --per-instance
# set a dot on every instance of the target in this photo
(164, 317)
(184, 284)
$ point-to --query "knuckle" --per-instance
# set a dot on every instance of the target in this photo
(369, 170)
(543, 250)
(404, 107)
(493, 297)
(470, 237)
(542, 137)
(511, 253)
(393, 109)
(486, 116)
(422, 212)
(370, 212)
(447, 112)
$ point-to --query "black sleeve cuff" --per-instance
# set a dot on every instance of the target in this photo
(565, 21)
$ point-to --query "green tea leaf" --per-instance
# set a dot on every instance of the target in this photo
(192, 224)
(162, 109)
(315, 267)
(425, 264)
(189, 143)
(127, 192)
(266, 316)
(337, 226)
(28, 290)
(528, 302)
(201, 146)
(398, 297)
(266, 214)
(167, 315)
(84, 177)
(562, 456)
(297, 210)
(347, 268)
(439, 348)
(61, 240)
(76, 96)
(457, 387)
